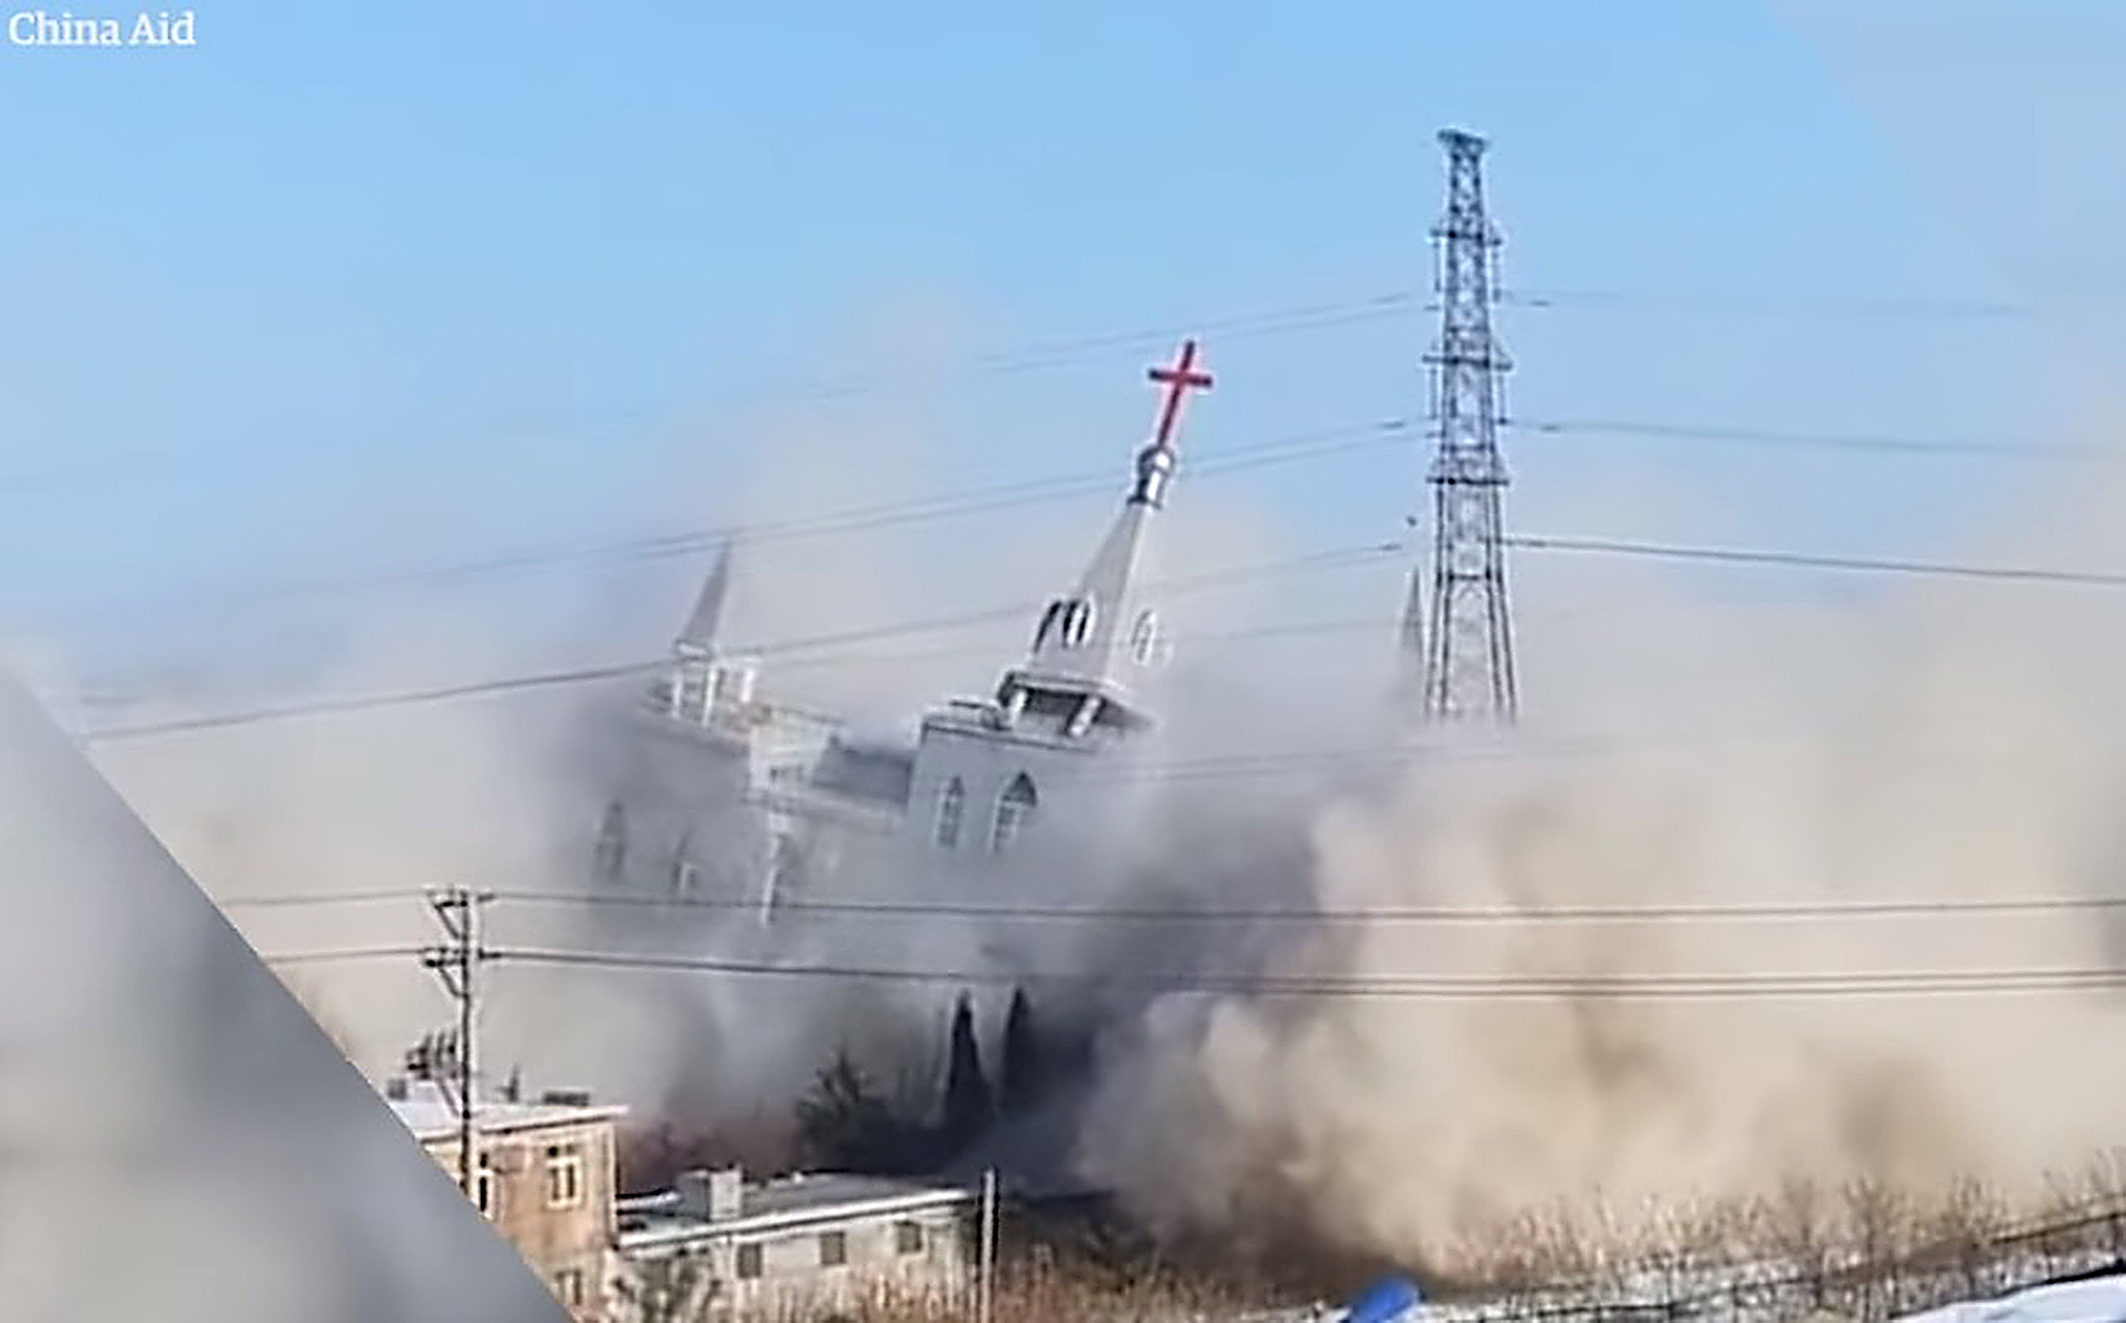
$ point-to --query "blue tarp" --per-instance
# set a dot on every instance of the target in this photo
(1390, 1300)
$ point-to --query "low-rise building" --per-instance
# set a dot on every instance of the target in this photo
(544, 1173)
(721, 1248)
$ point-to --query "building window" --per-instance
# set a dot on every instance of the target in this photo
(564, 1176)
(1048, 622)
(1144, 639)
(952, 807)
(749, 1261)
(686, 875)
(1013, 809)
(1077, 623)
(487, 1187)
(908, 1238)
(690, 693)
(612, 844)
(1071, 620)
(833, 1248)
(568, 1287)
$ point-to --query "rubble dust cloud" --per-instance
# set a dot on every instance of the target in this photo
(1926, 740)
(1971, 750)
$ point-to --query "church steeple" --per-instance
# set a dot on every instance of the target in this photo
(701, 683)
(706, 620)
(1084, 638)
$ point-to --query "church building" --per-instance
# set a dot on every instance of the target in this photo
(983, 773)
(740, 809)
(720, 794)
(693, 811)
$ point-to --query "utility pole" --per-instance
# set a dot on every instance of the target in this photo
(1461, 651)
(985, 1281)
(457, 965)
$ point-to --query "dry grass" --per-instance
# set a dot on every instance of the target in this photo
(1034, 1295)
(1859, 1251)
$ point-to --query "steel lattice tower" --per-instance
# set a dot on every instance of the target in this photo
(1462, 648)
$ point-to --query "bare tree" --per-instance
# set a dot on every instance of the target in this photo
(679, 1288)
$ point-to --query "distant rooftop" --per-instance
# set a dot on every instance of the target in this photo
(425, 1109)
(790, 1201)
(863, 768)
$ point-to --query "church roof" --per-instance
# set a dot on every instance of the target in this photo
(874, 770)
(706, 619)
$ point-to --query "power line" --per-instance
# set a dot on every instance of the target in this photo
(317, 898)
(1427, 986)
(1317, 561)
(1771, 439)
(1731, 305)
(1814, 561)
(865, 518)
(1343, 439)
(1300, 630)
(979, 500)
(1300, 318)
(1442, 915)
(985, 499)
(1456, 915)
(345, 954)
(366, 703)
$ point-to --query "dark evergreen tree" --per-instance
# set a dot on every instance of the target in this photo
(968, 1108)
(844, 1124)
(1020, 1083)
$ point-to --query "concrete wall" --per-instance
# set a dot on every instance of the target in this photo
(793, 1282)
(556, 1241)
(683, 792)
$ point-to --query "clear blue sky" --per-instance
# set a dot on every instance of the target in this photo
(300, 298)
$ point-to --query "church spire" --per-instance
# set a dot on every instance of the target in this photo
(1079, 633)
(699, 680)
(706, 619)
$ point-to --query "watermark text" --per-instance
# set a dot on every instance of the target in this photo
(41, 27)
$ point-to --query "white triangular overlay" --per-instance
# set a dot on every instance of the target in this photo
(179, 1141)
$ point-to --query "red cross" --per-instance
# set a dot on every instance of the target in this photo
(1182, 376)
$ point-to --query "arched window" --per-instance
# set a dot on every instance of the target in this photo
(1077, 623)
(1014, 807)
(1144, 639)
(1048, 621)
(611, 854)
(952, 808)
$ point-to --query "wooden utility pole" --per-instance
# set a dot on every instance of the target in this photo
(457, 965)
(986, 1272)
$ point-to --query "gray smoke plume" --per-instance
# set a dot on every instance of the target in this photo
(1966, 746)
(1929, 740)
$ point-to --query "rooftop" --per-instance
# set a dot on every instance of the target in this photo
(862, 768)
(430, 1114)
(790, 1201)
